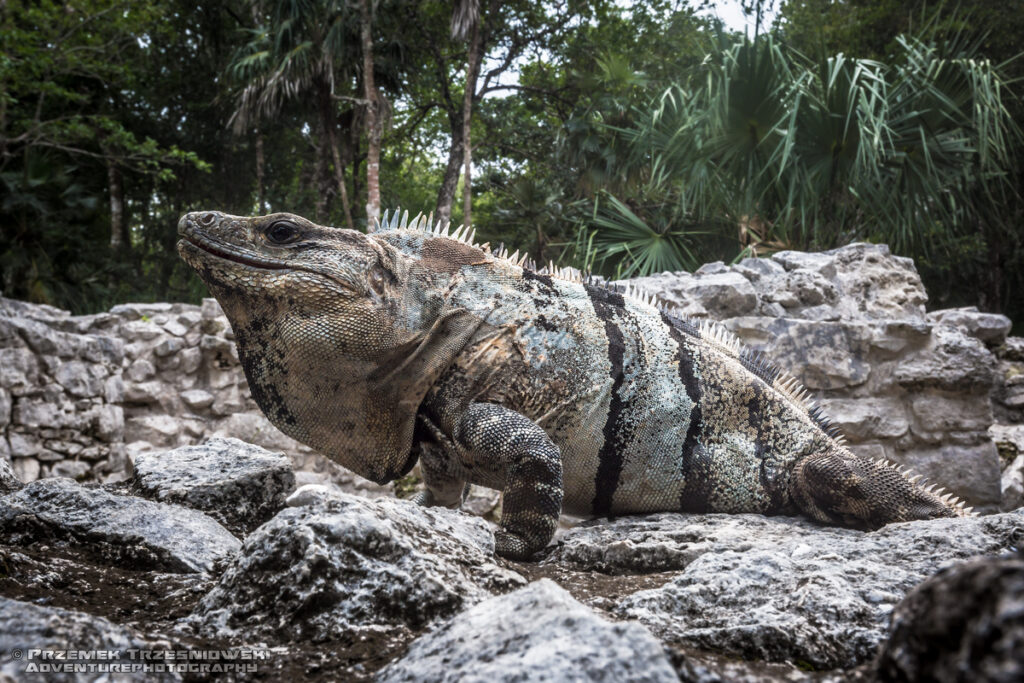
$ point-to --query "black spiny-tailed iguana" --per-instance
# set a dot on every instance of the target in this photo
(409, 343)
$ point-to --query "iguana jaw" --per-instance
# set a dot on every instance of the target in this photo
(193, 246)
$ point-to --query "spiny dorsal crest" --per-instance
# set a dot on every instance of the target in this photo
(947, 498)
(466, 234)
(718, 336)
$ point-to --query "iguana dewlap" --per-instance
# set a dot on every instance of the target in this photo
(380, 349)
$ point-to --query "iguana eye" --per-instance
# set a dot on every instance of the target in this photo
(283, 232)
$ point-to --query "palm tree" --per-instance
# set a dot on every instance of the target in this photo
(466, 24)
(787, 152)
(373, 114)
(297, 55)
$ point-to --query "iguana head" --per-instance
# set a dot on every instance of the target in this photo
(340, 334)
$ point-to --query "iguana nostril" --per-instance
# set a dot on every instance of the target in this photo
(208, 218)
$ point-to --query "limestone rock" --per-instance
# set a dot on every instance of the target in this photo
(952, 361)
(9, 481)
(970, 471)
(70, 469)
(19, 369)
(140, 370)
(867, 418)
(803, 287)
(821, 263)
(238, 484)
(777, 588)
(115, 527)
(965, 623)
(823, 355)
(340, 564)
(76, 377)
(197, 399)
(253, 427)
(1009, 440)
(756, 269)
(5, 407)
(27, 469)
(537, 633)
(156, 429)
(24, 626)
(990, 328)
(937, 412)
(109, 423)
(725, 293)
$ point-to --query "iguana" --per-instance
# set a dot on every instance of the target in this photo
(412, 343)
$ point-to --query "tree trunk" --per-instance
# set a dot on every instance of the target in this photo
(261, 166)
(373, 123)
(472, 71)
(328, 124)
(339, 178)
(320, 175)
(446, 195)
(458, 156)
(115, 185)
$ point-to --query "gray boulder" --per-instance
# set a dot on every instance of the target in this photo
(990, 328)
(9, 481)
(25, 627)
(338, 563)
(777, 589)
(952, 361)
(1009, 439)
(115, 528)
(965, 623)
(537, 633)
(726, 293)
(238, 484)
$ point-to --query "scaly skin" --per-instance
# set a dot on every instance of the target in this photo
(381, 349)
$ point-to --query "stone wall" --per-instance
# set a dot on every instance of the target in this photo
(60, 395)
(82, 396)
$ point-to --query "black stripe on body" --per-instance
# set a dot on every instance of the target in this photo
(610, 461)
(696, 461)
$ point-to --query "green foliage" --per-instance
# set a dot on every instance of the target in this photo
(787, 152)
(626, 138)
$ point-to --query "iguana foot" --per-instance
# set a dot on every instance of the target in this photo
(840, 488)
(512, 546)
(428, 499)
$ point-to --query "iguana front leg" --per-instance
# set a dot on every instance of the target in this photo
(499, 447)
(532, 495)
(442, 471)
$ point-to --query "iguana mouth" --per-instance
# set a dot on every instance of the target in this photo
(191, 240)
(230, 253)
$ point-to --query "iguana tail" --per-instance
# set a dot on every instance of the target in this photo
(838, 487)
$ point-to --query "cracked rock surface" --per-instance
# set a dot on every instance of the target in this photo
(238, 484)
(778, 589)
(116, 528)
(338, 563)
(537, 633)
